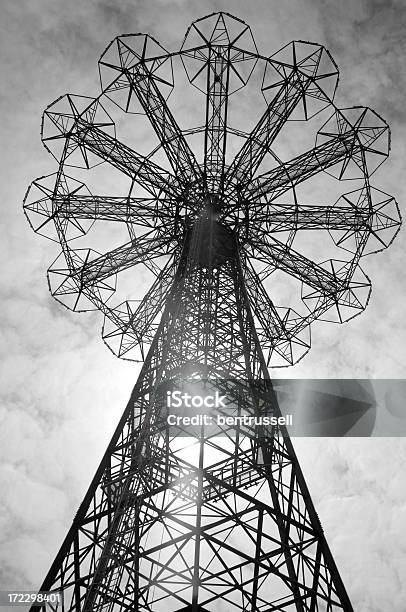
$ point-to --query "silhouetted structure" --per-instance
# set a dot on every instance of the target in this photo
(214, 515)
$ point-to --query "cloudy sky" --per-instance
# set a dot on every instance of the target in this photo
(62, 391)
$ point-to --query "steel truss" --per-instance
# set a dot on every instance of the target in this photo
(200, 520)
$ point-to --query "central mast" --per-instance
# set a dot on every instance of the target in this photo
(185, 517)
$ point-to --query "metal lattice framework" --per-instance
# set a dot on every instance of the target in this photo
(175, 520)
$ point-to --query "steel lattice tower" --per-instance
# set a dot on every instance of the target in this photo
(202, 518)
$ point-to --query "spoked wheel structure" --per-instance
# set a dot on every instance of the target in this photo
(211, 220)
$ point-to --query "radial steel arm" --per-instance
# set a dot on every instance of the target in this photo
(180, 155)
(251, 154)
(141, 211)
(125, 328)
(137, 251)
(295, 264)
(138, 167)
(215, 136)
(285, 217)
(276, 182)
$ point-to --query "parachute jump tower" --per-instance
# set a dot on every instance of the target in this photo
(213, 222)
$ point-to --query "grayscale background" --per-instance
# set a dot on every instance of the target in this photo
(62, 391)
